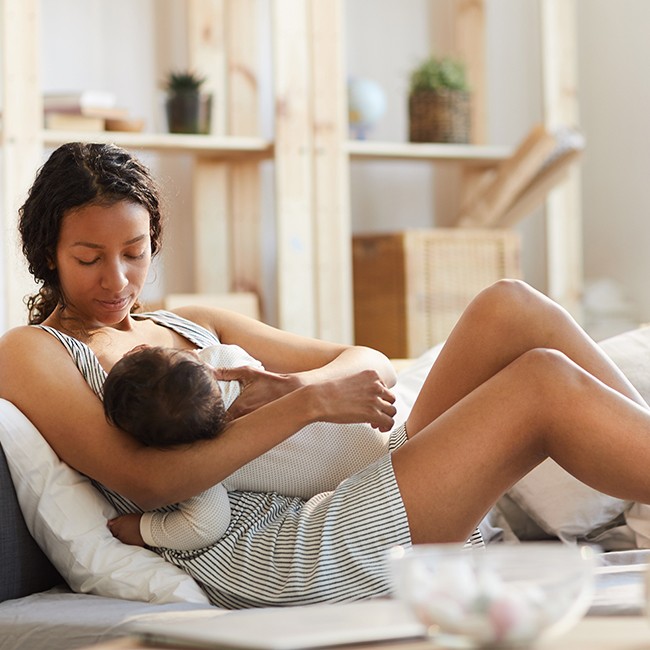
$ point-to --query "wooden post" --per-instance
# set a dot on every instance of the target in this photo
(22, 122)
(469, 21)
(244, 120)
(293, 168)
(331, 175)
(458, 28)
(212, 210)
(227, 197)
(563, 207)
(207, 55)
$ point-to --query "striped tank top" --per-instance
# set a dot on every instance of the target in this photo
(281, 550)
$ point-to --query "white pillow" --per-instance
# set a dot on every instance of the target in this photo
(559, 503)
(67, 516)
(410, 380)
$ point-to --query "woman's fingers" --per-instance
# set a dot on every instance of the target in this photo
(385, 413)
(375, 400)
(241, 374)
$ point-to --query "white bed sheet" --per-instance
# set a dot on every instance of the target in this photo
(60, 620)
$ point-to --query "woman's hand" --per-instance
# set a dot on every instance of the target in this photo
(360, 397)
(127, 529)
(258, 387)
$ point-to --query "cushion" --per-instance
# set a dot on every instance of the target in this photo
(24, 568)
(67, 516)
(558, 502)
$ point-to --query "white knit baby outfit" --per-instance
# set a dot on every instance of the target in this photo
(314, 460)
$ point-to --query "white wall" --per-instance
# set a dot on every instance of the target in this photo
(615, 107)
(97, 43)
(384, 40)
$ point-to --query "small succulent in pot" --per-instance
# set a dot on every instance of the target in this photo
(188, 110)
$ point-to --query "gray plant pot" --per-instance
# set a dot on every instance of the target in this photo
(189, 113)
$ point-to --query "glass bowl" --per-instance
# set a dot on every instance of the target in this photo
(506, 595)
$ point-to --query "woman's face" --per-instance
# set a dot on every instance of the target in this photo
(102, 259)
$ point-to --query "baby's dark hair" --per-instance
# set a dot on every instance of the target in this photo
(164, 398)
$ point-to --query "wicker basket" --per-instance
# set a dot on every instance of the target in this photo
(440, 116)
(411, 287)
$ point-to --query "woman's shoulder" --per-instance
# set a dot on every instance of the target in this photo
(26, 342)
(24, 352)
(23, 338)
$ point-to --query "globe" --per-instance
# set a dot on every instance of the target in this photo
(366, 105)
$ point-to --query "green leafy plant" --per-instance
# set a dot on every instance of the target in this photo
(435, 73)
(183, 82)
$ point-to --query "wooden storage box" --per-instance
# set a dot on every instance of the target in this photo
(411, 287)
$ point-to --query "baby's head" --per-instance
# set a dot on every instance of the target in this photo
(164, 397)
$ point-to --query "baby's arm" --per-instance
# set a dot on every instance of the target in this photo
(127, 529)
(195, 523)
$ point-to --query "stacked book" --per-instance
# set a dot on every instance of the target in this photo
(87, 110)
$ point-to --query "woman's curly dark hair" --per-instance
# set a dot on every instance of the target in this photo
(76, 175)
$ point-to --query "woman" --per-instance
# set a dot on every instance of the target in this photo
(517, 381)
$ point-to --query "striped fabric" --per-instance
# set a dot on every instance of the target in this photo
(282, 550)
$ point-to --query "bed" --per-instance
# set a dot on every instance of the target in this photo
(65, 582)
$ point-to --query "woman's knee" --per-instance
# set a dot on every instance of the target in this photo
(505, 302)
(551, 376)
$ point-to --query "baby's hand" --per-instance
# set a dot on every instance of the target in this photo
(127, 529)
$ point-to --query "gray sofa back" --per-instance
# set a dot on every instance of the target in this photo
(24, 569)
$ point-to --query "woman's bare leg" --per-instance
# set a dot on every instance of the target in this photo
(503, 322)
(540, 405)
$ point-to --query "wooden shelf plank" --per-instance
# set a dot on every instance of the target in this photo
(202, 145)
(465, 153)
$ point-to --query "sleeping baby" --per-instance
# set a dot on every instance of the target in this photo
(166, 397)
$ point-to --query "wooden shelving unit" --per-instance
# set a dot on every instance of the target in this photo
(309, 151)
(470, 155)
(221, 147)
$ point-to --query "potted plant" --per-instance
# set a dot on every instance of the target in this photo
(439, 102)
(188, 110)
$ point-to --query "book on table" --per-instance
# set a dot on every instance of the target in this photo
(286, 628)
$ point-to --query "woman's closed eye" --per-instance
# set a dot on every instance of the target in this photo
(88, 262)
(129, 256)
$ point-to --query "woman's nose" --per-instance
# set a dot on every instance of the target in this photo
(114, 277)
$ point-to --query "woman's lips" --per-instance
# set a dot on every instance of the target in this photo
(114, 305)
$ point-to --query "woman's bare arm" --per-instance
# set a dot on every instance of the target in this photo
(311, 359)
(40, 378)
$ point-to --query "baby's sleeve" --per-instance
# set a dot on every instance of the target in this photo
(195, 523)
